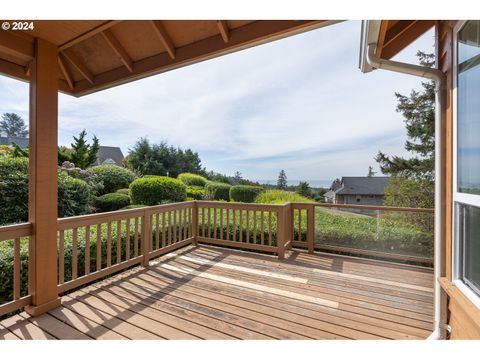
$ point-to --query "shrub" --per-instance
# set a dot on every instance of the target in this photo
(113, 177)
(218, 191)
(156, 190)
(196, 192)
(112, 202)
(13, 189)
(73, 194)
(124, 192)
(279, 197)
(244, 193)
(192, 179)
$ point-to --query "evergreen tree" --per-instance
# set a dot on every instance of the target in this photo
(13, 125)
(336, 184)
(371, 173)
(304, 189)
(82, 154)
(282, 180)
(418, 110)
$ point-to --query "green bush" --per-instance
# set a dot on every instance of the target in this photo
(73, 195)
(124, 192)
(157, 190)
(244, 193)
(192, 179)
(13, 189)
(196, 192)
(112, 202)
(218, 191)
(280, 197)
(113, 177)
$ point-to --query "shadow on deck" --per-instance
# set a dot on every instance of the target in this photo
(213, 293)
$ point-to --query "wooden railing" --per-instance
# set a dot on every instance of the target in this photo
(98, 245)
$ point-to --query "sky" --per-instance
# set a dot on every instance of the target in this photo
(300, 104)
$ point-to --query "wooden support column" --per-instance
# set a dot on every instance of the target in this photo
(195, 223)
(43, 155)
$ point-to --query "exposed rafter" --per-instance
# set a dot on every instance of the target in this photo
(79, 65)
(118, 48)
(64, 70)
(17, 46)
(224, 31)
(164, 38)
(88, 34)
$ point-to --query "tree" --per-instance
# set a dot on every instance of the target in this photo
(162, 159)
(237, 178)
(371, 173)
(82, 154)
(418, 110)
(304, 189)
(282, 180)
(13, 125)
(336, 184)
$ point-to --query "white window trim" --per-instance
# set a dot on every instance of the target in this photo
(462, 198)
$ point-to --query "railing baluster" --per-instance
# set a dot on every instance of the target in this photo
(75, 253)
(234, 226)
(227, 235)
(169, 228)
(209, 220)
(16, 269)
(164, 229)
(127, 245)
(311, 229)
(109, 244)
(87, 250)
(99, 247)
(221, 224)
(119, 241)
(240, 236)
(254, 226)
(214, 223)
(157, 228)
(135, 238)
(299, 225)
(203, 222)
(262, 226)
(175, 226)
(247, 240)
(270, 228)
(61, 257)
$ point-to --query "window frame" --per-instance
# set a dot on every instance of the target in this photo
(457, 197)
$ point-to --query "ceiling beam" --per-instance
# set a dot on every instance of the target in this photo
(224, 31)
(164, 38)
(118, 48)
(16, 46)
(88, 34)
(64, 70)
(396, 30)
(79, 65)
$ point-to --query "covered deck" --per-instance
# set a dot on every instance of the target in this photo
(205, 292)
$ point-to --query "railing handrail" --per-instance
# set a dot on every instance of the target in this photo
(10, 232)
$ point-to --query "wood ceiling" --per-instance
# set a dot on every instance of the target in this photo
(95, 55)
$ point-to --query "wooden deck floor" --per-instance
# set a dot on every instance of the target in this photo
(213, 293)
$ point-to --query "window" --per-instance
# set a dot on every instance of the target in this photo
(466, 192)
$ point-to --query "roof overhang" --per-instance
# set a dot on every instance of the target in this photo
(96, 55)
(390, 37)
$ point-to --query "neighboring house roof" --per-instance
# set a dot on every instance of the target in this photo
(374, 185)
(109, 155)
(20, 141)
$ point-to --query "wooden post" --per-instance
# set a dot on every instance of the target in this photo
(146, 237)
(195, 223)
(42, 202)
(311, 229)
(289, 225)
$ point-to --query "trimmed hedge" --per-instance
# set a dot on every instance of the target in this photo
(192, 179)
(112, 202)
(218, 191)
(156, 190)
(13, 189)
(245, 193)
(73, 194)
(196, 192)
(113, 177)
(280, 197)
(124, 192)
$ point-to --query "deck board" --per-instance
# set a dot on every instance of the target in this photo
(208, 292)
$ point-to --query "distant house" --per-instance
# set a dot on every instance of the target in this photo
(361, 190)
(329, 196)
(109, 155)
(8, 140)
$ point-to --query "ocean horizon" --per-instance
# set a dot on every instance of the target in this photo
(312, 183)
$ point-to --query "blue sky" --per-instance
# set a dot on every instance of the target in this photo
(299, 104)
